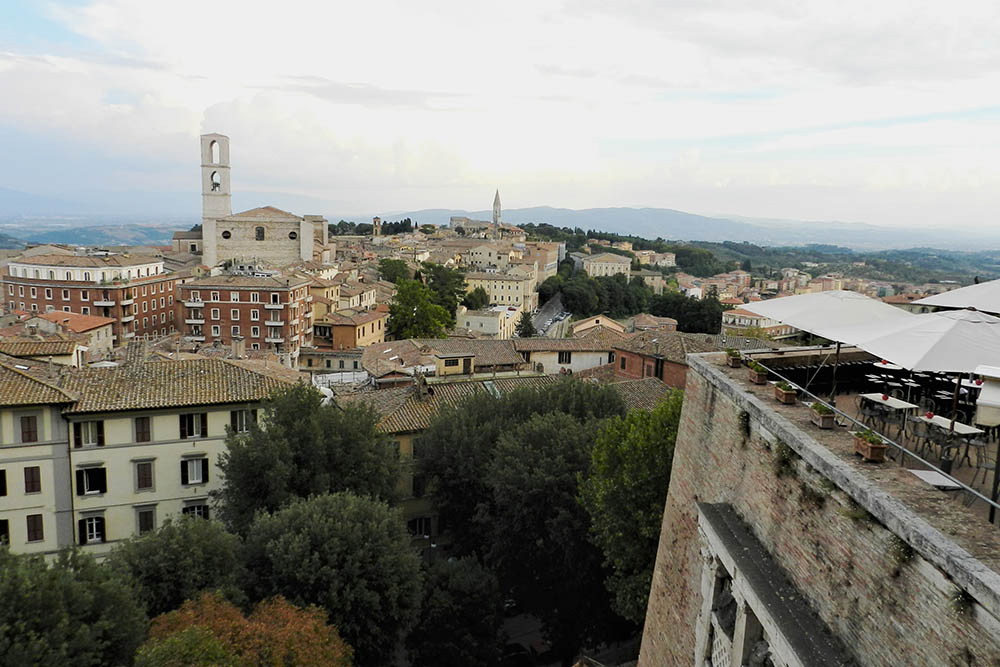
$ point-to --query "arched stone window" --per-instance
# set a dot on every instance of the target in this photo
(259, 231)
(52, 275)
(216, 181)
(214, 148)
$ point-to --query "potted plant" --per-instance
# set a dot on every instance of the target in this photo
(870, 445)
(784, 393)
(733, 358)
(821, 415)
(758, 374)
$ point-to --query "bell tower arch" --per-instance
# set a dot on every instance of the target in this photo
(216, 192)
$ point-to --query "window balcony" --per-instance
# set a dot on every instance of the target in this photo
(128, 302)
(200, 339)
(103, 302)
(269, 339)
(127, 318)
(194, 320)
(274, 323)
(274, 306)
(129, 334)
(196, 303)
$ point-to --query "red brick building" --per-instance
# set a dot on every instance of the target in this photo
(660, 353)
(269, 313)
(132, 290)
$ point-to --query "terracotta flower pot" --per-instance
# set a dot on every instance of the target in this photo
(734, 362)
(869, 451)
(758, 378)
(782, 396)
(822, 421)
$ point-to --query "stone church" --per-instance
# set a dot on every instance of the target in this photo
(264, 234)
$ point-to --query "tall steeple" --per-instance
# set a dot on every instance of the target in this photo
(496, 208)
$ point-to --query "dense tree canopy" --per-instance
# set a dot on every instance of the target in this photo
(538, 543)
(211, 631)
(72, 612)
(393, 270)
(413, 313)
(624, 493)
(179, 560)
(460, 616)
(447, 286)
(348, 554)
(525, 326)
(615, 295)
(692, 315)
(300, 448)
(476, 299)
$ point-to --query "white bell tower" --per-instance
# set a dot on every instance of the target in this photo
(216, 193)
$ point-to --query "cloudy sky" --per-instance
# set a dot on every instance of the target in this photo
(884, 112)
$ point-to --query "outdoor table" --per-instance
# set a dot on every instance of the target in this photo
(937, 480)
(887, 366)
(961, 429)
(891, 403)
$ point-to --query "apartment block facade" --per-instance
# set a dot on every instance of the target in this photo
(270, 313)
(133, 290)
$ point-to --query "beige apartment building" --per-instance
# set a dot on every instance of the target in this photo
(112, 452)
(606, 264)
(495, 322)
(511, 289)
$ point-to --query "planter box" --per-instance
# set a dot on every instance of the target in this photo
(782, 396)
(734, 362)
(758, 378)
(822, 421)
(869, 451)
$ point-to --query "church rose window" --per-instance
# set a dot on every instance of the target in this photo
(293, 235)
(226, 234)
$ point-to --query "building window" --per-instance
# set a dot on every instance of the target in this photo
(35, 531)
(226, 234)
(4, 531)
(451, 362)
(92, 530)
(254, 297)
(255, 332)
(275, 297)
(144, 476)
(145, 306)
(145, 518)
(91, 481)
(235, 331)
(565, 357)
(234, 314)
(259, 233)
(215, 296)
(421, 526)
(194, 425)
(3, 482)
(240, 420)
(623, 363)
(34, 292)
(142, 429)
(340, 363)
(216, 330)
(88, 434)
(200, 511)
(48, 293)
(254, 315)
(32, 479)
(29, 428)
(215, 313)
(85, 310)
(194, 471)
(65, 295)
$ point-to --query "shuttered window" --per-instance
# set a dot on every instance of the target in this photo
(194, 471)
(194, 425)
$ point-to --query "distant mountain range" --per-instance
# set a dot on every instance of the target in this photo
(138, 218)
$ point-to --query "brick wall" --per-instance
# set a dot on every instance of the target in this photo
(828, 522)
(632, 365)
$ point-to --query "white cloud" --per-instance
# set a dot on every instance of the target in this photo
(384, 105)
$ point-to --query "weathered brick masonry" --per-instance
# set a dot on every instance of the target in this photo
(898, 571)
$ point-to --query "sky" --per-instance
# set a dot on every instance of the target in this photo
(881, 112)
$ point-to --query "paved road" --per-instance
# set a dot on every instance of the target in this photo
(551, 308)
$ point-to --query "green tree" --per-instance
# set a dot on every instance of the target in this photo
(525, 327)
(459, 443)
(192, 647)
(549, 288)
(393, 270)
(477, 299)
(348, 554)
(301, 447)
(72, 612)
(414, 314)
(179, 560)
(448, 286)
(624, 492)
(460, 616)
(540, 531)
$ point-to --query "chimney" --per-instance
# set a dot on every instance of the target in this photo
(239, 347)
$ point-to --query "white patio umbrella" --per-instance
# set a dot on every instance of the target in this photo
(983, 297)
(829, 314)
(834, 314)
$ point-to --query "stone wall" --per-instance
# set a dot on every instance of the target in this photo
(855, 539)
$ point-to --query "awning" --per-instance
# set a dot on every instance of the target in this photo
(984, 297)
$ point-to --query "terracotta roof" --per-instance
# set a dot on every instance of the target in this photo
(644, 394)
(646, 321)
(31, 346)
(605, 373)
(18, 387)
(415, 414)
(602, 337)
(478, 275)
(351, 318)
(670, 345)
(742, 311)
(88, 260)
(596, 343)
(262, 213)
(227, 282)
(163, 384)
(76, 321)
(609, 257)
(488, 352)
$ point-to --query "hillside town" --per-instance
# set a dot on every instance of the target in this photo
(129, 374)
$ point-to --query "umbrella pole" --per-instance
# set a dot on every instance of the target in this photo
(833, 389)
(954, 403)
(996, 483)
